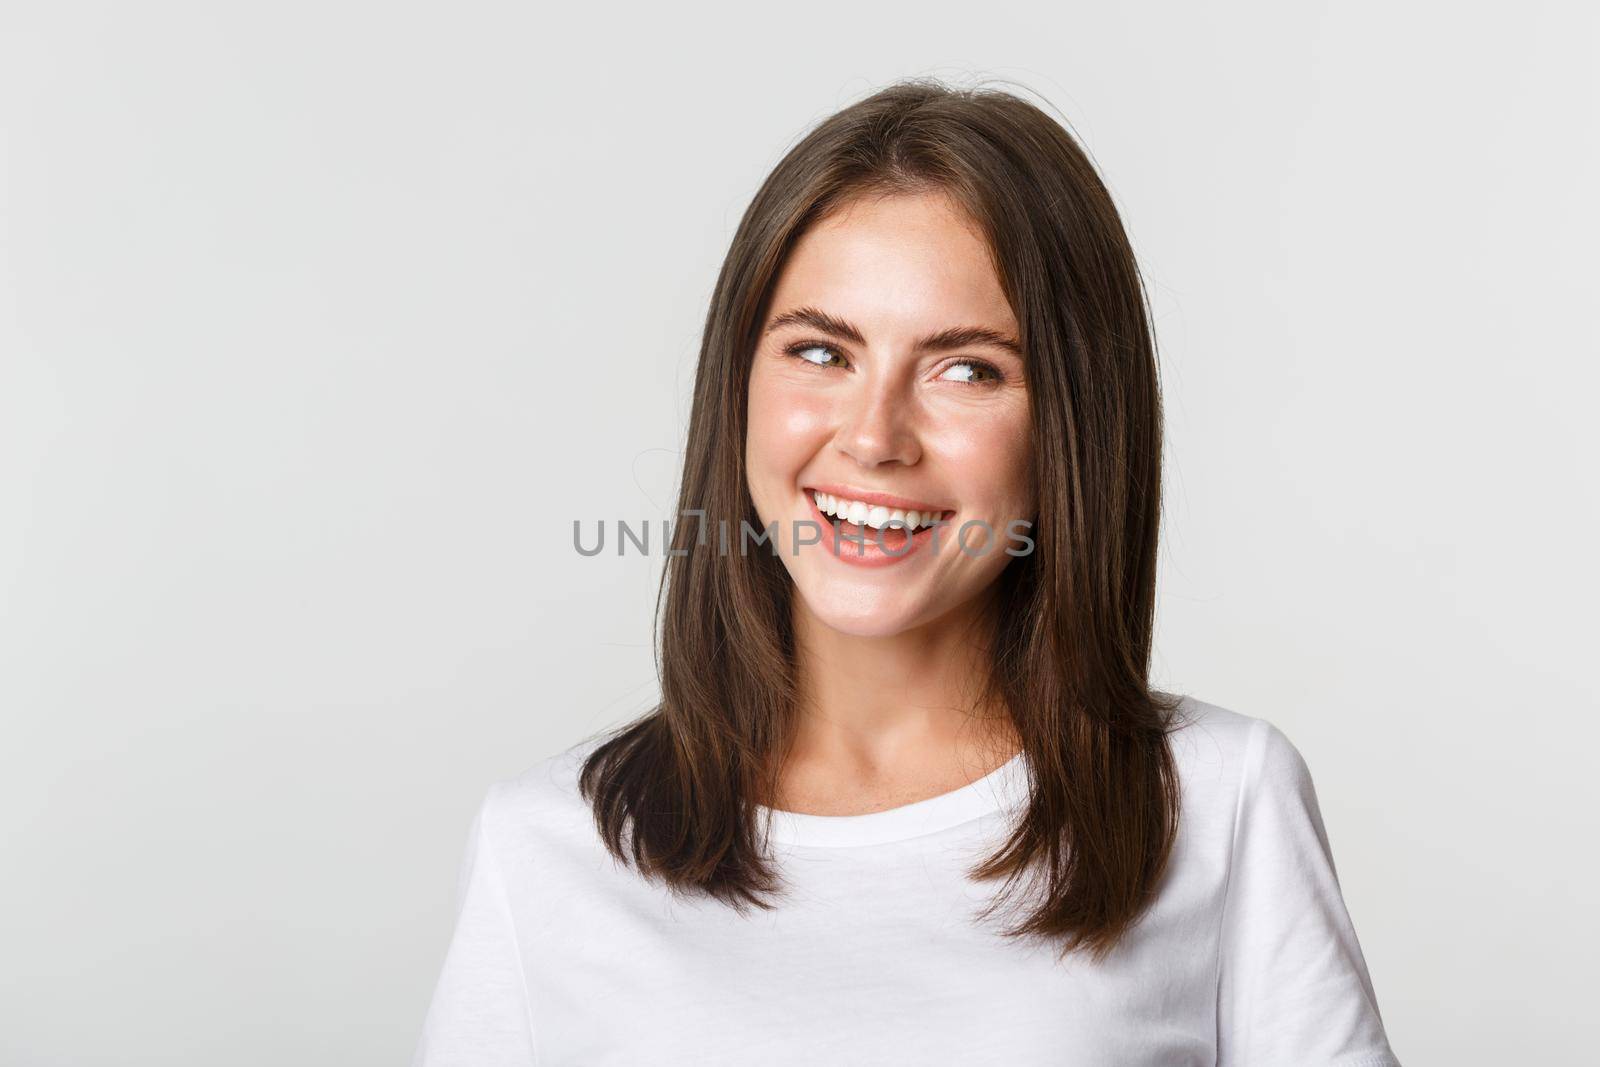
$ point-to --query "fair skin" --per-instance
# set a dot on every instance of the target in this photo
(890, 656)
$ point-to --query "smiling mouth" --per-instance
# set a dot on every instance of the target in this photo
(856, 517)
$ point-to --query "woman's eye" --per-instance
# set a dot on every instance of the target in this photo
(973, 372)
(815, 354)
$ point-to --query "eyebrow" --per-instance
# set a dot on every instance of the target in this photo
(944, 340)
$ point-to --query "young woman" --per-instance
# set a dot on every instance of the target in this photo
(908, 797)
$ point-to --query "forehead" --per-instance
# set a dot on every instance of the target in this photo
(912, 261)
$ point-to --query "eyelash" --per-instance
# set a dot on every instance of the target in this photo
(794, 350)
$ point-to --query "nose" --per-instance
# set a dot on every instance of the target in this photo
(877, 425)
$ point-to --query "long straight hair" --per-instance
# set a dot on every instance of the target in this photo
(676, 789)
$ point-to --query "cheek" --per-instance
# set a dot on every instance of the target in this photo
(992, 458)
(1020, 473)
(787, 425)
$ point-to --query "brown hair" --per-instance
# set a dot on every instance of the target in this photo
(1070, 650)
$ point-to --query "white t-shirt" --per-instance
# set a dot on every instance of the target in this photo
(1247, 957)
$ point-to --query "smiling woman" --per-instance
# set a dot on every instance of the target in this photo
(889, 733)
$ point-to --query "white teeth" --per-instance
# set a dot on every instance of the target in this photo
(873, 515)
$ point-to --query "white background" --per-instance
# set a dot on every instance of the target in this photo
(321, 323)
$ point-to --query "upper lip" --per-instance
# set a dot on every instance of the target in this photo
(888, 500)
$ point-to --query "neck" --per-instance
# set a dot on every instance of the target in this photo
(874, 705)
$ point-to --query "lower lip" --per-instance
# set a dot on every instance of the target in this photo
(866, 552)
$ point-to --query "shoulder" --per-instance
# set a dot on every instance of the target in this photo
(1222, 754)
(542, 799)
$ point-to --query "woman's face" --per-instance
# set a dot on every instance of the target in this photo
(884, 376)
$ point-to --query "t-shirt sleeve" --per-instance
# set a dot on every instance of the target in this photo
(1292, 984)
(478, 1016)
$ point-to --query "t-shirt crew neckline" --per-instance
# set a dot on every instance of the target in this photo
(1001, 787)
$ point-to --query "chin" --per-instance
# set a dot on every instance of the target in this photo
(875, 625)
(864, 617)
